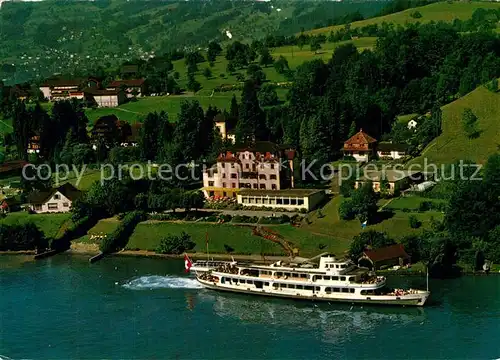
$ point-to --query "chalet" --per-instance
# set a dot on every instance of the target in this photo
(59, 89)
(384, 257)
(392, 180)
(54, 200)
(132, 87)
(361, 147)
(112, 131)
(106, 129)
(104, 98)
(130, 134)
(54, 89)
(390, 151)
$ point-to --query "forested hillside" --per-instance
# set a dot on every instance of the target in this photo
(46, 37)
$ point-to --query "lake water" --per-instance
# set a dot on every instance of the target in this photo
(137, 308)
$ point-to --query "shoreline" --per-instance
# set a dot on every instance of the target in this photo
(81, 249)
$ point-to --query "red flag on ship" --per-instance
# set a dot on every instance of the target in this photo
(187, 263)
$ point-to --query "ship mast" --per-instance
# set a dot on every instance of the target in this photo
(427, 277)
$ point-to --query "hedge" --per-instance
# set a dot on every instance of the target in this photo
(21, 237)
(118, 239)
(79, 229)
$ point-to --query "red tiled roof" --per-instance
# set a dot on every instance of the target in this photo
(360, 138)
(131, 82)
(228, 156)
(386, 253)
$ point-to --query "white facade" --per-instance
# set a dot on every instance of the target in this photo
(294, 202)
(412, 124)
(45, 91)
(57, 203)
(106, 100)
(393, 154)
(360, 157)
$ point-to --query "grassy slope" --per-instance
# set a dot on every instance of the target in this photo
(148, 235)
(442, 11)
(453, 145)
(48, 223)
(344, 231)
(134, 111)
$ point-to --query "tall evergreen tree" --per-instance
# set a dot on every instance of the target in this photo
(148, 142)
(187, 134)
(22, 130)
(251, 123)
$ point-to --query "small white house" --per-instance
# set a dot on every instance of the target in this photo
(54, 200)
(412, 124)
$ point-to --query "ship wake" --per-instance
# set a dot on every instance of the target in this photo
(161, 282)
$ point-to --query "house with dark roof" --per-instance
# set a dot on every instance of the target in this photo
(391, 151)
(54, 200)
(390, 180)
(111, 131)
(132, 87)
(360, 146)
(384, 257)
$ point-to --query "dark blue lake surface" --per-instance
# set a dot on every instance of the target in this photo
(137, 308)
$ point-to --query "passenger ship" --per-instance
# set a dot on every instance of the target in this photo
(332, 280)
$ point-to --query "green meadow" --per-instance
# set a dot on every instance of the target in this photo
(441, 11)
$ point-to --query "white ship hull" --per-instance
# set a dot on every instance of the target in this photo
(417, 299)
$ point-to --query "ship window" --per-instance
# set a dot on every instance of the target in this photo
(344, 290)
(337, 266)
(342, 278)
(249, 282)
(276, 285)
(304, 275)
(283, 285)
(328, 290)
(318, 277)
(287, 274)
(300, 287)
(343, 266)
(291, 286)
(267, 284)
(279, 274)
(335, 277)
(295, 275)
(326, 278)
(318, 288)
(336, 290)
(308, 288)
(235, 281)
(351, 291)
